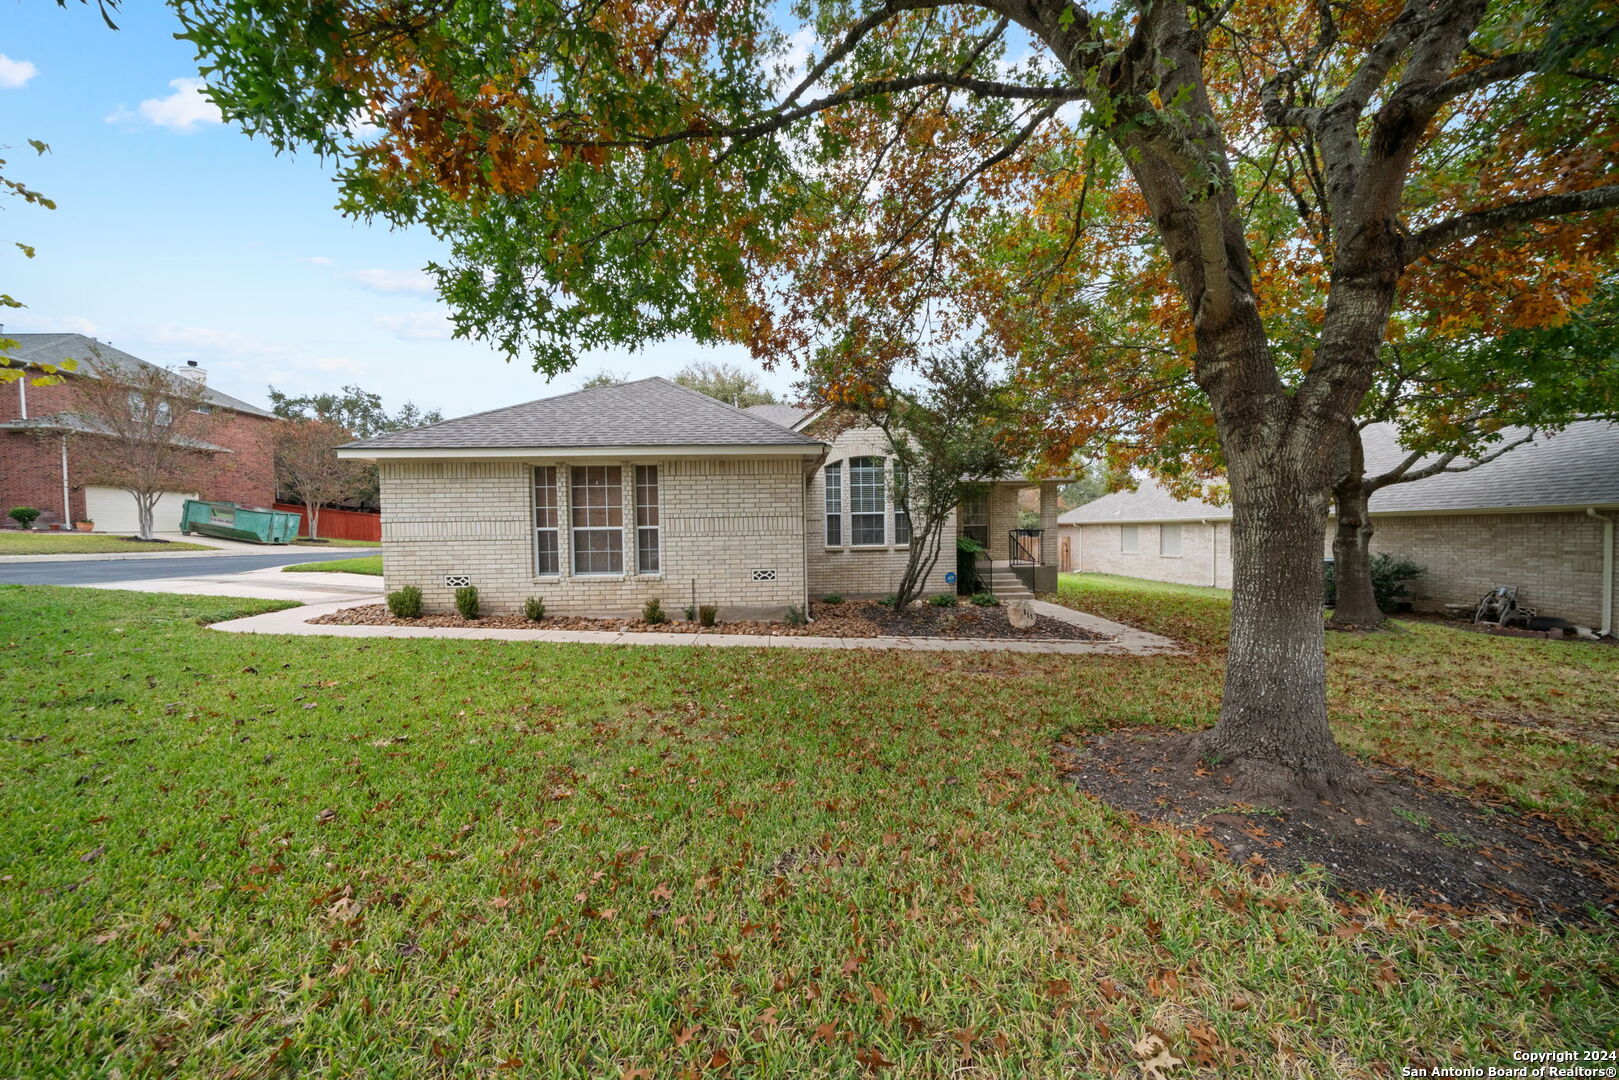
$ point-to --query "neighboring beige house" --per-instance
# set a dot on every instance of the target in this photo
(1540, 517)
(600, 500)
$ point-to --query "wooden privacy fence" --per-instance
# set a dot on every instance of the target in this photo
(338, 524)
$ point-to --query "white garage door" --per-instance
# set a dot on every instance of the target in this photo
(113, 510)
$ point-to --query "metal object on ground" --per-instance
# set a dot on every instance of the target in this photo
(229, 521)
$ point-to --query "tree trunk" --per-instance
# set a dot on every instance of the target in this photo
(1273, 718)
(1356, 602)
(143, 514)
(314, 520)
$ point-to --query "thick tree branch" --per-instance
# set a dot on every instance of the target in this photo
(859, 91)
(1478, 222)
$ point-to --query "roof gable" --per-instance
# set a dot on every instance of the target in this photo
(647, 413)
(53, 349)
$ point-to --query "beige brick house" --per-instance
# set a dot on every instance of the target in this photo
(600, 500)
(1541, 517)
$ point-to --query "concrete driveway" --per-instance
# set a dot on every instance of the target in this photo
(257, 575)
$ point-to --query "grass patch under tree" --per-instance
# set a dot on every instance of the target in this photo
(304, 855)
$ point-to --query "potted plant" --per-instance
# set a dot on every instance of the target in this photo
(23, 516)
(84, 526)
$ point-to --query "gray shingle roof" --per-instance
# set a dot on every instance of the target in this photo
(788, 416)
(1578, 466)
(55, 348)
(648, 412)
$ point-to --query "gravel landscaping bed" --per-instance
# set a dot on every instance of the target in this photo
(850, 619)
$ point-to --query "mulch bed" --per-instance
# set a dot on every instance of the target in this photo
(1434, 849)
(850, 619)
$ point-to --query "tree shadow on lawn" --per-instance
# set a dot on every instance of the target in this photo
(1436, 850)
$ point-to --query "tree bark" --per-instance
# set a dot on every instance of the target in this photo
(1356, 601)
(143, 514)
(1273, 717)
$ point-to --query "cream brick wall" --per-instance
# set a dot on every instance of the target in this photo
(1205, 553)
(721, 519)
(1554, 558)
(862, 571)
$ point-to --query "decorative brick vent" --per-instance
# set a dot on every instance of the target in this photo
(764, 575)
(456, 581)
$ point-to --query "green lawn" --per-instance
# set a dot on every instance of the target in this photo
(370, 564)
(304, 541)
(251, 855)
(52, 543)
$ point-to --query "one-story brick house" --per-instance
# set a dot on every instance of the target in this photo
(599, 500)
(1540, 517)
(37, 467)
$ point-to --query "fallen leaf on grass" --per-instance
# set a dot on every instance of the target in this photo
(346, 909)
(1155, 1057)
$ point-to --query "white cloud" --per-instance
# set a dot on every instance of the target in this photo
(211, 343)
(318, 260)
(331, 364)
(410, 282)
(56, 324)
(15, 73)
(416, 326)
(182, 110)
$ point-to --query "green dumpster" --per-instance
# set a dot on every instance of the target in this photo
(230, 521)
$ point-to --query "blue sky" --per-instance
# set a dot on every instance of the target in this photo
(177, 238)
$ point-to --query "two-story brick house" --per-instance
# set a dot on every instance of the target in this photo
(38, 423)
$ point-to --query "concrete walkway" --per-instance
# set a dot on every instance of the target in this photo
(1124, 640)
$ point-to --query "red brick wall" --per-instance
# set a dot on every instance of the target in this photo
(31, 472)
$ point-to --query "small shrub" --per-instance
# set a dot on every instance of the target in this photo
(1390, 574)
(534, 609)
(889, 601)
(652, 612)
(691, 613)
(405, 603)
(796, 616)
(985, 599)
(23, 515)
(832, 598)
(942, 600)
(708, 614)
(466, 601)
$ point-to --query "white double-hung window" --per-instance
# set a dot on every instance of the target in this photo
(867, 502)
(902, 516)
(646, 519)
(834, 504)
(545, 521)
(598, 519)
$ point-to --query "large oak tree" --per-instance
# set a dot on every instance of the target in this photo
(615, 171)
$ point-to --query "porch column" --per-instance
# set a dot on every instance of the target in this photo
(1048, 523)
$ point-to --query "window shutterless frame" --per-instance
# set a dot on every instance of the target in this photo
(867, 502)
(647, 532)
(598, 519)
(546, 557)
(902, 516)
(975, 518)
(833, 475)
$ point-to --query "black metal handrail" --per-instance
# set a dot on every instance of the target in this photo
(1019, 551)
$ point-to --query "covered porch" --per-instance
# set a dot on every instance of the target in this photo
(1016, 522)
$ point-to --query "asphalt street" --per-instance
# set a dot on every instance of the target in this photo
(94, 571)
